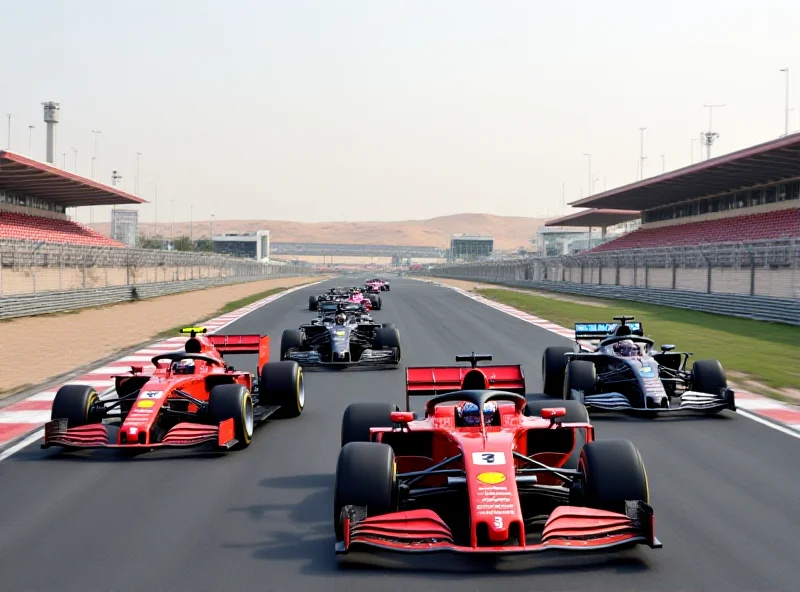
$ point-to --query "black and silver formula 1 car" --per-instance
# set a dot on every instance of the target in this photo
(616, 369)
(347, 338)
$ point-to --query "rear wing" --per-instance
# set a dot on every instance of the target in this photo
(431, 381)
(242, 344)
(597, 331)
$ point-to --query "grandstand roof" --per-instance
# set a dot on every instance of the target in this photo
(589, 218)
(765, 163)
(44, 181)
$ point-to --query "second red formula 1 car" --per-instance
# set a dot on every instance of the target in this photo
(192, 397)
(485, 471)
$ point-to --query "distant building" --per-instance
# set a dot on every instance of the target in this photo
(251, 245)
(470, 247)
(559, 240)
(124, 226)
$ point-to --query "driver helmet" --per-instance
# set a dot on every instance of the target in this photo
(467, 414)
(626, 349)
(183, 367)
(341, 318)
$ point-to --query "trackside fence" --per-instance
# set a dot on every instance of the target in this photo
(754, 280)
(38, 278)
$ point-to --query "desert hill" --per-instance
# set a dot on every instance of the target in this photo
(508, 232)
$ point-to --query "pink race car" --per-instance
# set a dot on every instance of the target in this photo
(370, 300)
(376, 285)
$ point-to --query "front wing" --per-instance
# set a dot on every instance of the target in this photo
(569, 529)
(96, 435)
(690, 401)
(369, 357)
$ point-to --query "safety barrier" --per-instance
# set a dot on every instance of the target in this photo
(758, 280)
(44, 278)
(52, 302)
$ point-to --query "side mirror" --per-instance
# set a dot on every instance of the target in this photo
(401, 416)
(552, 412)
(666, 348)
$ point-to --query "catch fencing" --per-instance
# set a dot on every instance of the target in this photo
(756, 280)
(38, 278)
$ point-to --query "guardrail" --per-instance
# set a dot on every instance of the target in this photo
(52, 302)
(759, 280)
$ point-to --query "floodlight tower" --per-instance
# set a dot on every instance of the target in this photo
(709, 137)
(51, 116)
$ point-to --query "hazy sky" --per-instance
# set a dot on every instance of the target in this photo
(379, 110)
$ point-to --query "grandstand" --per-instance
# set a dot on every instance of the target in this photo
(34, 198)
(749, 196)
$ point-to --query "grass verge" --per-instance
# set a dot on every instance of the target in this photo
(226, 308)
(754, 353)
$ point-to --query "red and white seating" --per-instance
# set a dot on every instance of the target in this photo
(23, 227)
(749, 228)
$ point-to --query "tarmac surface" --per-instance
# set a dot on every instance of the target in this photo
(725, 491)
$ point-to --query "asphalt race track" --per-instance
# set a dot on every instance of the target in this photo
(725, 491)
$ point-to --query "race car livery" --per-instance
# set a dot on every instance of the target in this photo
(616, 369)
(354, 341)
(192, 397)
(485, 471)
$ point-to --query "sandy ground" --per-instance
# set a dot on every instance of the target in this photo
(35, 349)
(471, 286)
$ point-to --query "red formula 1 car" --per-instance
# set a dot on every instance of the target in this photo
(192, 397)
(485, 471)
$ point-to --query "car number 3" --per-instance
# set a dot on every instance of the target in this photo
(498, 522)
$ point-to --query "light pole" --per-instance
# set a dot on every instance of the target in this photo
(74, 160)
(64, 160)
(212, 232)
(8, 143)
(663, 163)
(30, 139)
(136, 180)
(590, 171)
(94, 158)
(710, 136)
(692, 159)
(641, 152)
(786, 124)
(172, 232)
(191, 221)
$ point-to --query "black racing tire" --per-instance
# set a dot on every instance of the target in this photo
(613, 473)
(708, 376)
(374, 301)
(387, 288)
(389, 326)
(576, 413)
(74, 402)
(580, 376)
(313, 301)
(554, 365)
(366, 475)
(233, 401)
(358, 418)
(282, 384)
(388, 337)
(291, 338)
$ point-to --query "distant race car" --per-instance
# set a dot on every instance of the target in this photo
(192, 397)
(619, 371)
(327, 310)
(332, 295)
(375, 302)
(349, 341)
(376, 285)
(485, 471)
